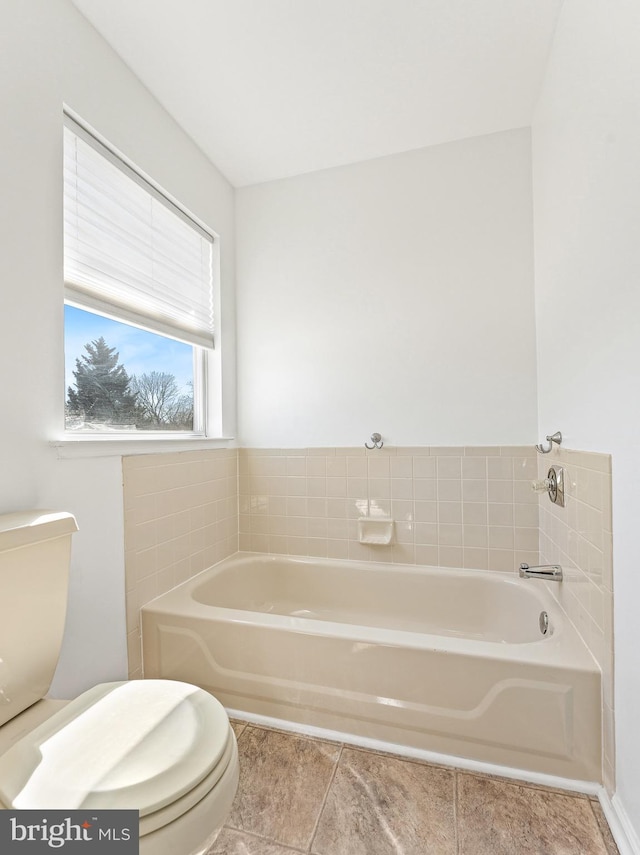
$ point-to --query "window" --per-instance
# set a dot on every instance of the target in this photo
(139, 277)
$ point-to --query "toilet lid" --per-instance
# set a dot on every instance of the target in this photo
(141, 744)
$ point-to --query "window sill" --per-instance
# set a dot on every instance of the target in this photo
(110, 446)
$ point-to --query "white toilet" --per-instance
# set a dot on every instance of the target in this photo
(161, 747)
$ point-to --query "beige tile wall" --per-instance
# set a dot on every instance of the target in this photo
(578, 537)
(181, 515)
(453, 507)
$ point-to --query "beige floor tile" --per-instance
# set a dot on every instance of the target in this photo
(497, 818)
(230, 842)
(380, 805)
(283, 782)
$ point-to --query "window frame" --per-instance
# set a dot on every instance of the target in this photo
(207, 391)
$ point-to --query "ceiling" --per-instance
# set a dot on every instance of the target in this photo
(273, 88)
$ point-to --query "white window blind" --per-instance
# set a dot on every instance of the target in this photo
(128, 251)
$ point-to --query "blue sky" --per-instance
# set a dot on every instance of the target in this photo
(140, 351)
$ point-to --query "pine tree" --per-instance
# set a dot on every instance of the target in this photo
(102, 387)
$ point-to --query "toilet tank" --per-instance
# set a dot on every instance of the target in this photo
(35, 548)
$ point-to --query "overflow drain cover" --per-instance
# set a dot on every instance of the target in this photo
(543, 622)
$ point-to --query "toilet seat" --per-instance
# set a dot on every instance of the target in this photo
(158, 746)
(162, 817)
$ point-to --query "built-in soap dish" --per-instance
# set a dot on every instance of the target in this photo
(375, 531)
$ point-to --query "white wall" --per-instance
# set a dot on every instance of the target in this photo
(394, 295)
(50, 55)
(586, 165)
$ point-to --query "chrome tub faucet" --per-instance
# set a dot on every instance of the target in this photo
(550, 572)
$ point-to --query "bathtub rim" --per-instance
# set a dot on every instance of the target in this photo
(563, 648)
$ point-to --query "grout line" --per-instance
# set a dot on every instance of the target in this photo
(244, 727)
(324, 800)
(264, 839)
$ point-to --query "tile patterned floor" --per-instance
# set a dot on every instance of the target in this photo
(303, 795)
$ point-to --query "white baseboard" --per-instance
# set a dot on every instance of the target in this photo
(622, 830)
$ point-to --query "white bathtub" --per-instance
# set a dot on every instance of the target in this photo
(448, 661)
